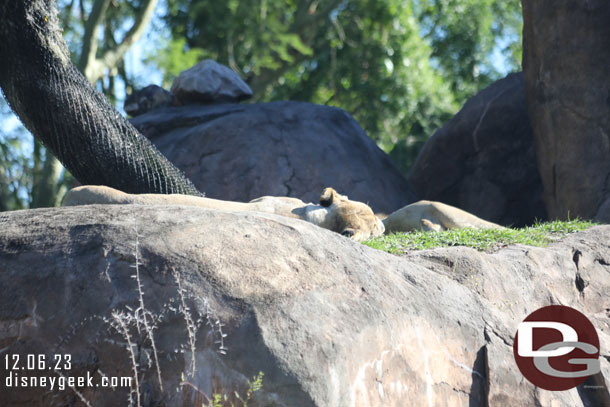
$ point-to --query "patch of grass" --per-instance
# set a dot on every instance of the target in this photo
(540, 234)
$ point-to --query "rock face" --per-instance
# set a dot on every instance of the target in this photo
(242, 152)
(483, 159)
(209, 82)
(330, 322)
(148, 98)
(566, 55)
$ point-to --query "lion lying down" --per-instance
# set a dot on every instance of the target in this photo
(335, 212)
(433, 216)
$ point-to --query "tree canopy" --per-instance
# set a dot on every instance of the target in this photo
(401, 68)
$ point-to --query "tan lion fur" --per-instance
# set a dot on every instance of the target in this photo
(335, 212)
(430, 215)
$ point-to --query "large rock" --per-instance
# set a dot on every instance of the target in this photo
(483, 159)
(149, 98)
(330, 322)
(209, 82)
(241, 152)
(566, 60)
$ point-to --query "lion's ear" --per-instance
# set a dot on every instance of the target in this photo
(327, 197)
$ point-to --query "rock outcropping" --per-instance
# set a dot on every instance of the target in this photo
(330, 322)
(566, 55)
(483, 159)
(146, 99)
(209, 82)
(240, 152)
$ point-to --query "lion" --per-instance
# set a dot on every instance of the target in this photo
(335, 212)
(433, 216)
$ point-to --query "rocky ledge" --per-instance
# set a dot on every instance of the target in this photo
(197, 302)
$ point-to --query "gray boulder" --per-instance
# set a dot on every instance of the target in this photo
(566, 60)
(241, 152)
(219, 296)
(483, 159)
(209, 82)
(149, 98)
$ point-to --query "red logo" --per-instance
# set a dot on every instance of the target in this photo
(556, 348)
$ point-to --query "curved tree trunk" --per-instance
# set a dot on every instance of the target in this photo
(57, 104)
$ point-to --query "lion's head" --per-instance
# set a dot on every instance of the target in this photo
(353, 219)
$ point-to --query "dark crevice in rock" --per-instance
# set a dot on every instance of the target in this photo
(576, 257)
(486, 335)
(208, 154)
(287, 183)
(602, 262)
(593, 391)
(496, 333)
(580, 282)
(455, 389)
(479, 390)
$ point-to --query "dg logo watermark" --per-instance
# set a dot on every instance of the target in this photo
(556, 348)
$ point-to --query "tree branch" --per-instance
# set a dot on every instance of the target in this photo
(112, 56)
(82, 16)
(89, 49)
(68, 13)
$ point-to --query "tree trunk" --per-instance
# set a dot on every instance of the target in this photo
(5, 192)
(92, 66)
(566, 62)
(58, 105)
(46, 184)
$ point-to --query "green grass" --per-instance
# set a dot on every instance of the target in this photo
(540, 234)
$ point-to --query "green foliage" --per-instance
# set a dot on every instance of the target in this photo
(540, 234)
(173, 57)
(253, 386)
(463, 34)
(401, 68)
(223, 400)
(15, 168)
(251, 35)
(24, 180)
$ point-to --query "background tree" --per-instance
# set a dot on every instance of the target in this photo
(401, 68)
(15, 161)
(467, 35)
